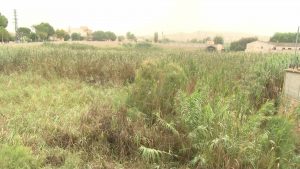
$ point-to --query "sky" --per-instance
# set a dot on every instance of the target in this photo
(144, 17)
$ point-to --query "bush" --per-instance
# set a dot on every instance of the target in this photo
(241, 44)
(76, 37)
(103, 129)
(156, 86)
(284, 37)
(103, 36)
(143, 45)
(12, 157)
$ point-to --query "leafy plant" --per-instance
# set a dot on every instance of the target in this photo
(12, 157)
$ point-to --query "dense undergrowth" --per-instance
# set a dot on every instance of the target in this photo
(77, 106)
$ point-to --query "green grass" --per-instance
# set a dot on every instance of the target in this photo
(77, 106)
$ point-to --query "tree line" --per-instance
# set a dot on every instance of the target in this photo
(45, 32)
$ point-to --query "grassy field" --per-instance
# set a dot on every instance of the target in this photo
(139, 106)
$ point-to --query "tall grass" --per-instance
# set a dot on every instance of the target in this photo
(77, 106)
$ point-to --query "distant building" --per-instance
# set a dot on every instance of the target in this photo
(211, 46)
(83, 30)
(210, 42)
(264, 47)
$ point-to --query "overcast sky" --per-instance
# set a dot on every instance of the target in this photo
(143, 17)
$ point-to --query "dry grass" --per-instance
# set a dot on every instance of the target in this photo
(80, 106)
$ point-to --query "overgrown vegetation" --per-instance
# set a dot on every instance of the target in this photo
(77, 106)
(284, 37)
(241, 44)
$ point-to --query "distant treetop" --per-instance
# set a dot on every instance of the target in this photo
(130, 36)
(44, 31)
(103, 36)
(241, 44)
(3, 21)
(284, 37)
(219, 40)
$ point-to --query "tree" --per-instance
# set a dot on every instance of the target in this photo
(3, 21)
(130, 36)
(60, 33)
(99, 36)
(206, 39)
(121, 38)
(76, 37)
(194, 40)
(218, 40)
(44, 31)
(33, 37)
(67, 37)
(241, 44)
(155, 37)
(284, 37)
(4, 35)
(24, 33)
(110, 36)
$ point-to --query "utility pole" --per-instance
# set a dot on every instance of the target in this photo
(16, 25)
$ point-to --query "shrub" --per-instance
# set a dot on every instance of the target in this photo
(156, 86)
(143, 45)
(102, 126)
(76, 37)
(241, 44)
(12, 157)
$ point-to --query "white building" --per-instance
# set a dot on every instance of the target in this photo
(264, 47)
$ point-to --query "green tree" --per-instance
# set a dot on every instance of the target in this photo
(24, 33)
(194, 40)
(206, 39)
(44, 31)
(67, 37)
(218, 40)
(284, 37)
(4, 35)
(156, 37)
(121, 38)
(110, 36)
(33, 37)
(3, 21)
(241, 44)
(60, 33)
(130, 36)
(99, 36)
(76, 37)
